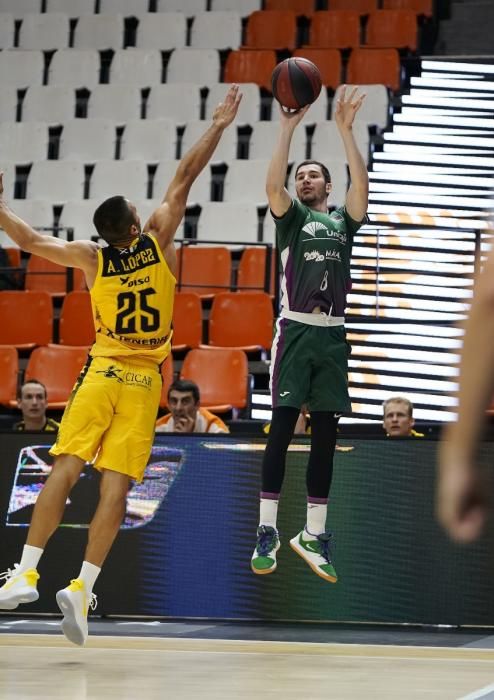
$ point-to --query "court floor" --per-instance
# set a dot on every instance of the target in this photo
(181, 660)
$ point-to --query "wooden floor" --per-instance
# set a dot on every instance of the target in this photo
(40, 667)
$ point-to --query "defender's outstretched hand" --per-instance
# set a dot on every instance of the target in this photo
(227, 110)
(347, 107)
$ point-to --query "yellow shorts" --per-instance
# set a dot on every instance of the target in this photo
(111, 414)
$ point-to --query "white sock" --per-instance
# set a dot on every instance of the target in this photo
(316, 518)
(89, 574)
(268, 511)
(30, 558)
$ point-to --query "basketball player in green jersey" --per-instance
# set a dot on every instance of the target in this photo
(309, 356)
(112, 410)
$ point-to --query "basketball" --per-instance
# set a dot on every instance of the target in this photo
(296, 82)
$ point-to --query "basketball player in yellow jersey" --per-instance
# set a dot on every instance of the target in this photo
(112, 410)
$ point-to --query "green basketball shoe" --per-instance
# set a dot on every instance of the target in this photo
(317, 554)
(264, 558)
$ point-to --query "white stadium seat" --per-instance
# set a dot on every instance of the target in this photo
(23, 143)
(245, 7)
(20, 8)
(199, 192)
(264, 136)
(218, 30)
(48, 103)
(250, 106)
(151, 140)
(226, 149)
(200, 66)
(79, 216)
(112, 177)
(8, 103)
(117, 102)
(174, 101)
(6, 30)
(99, 32)
(56, 181)
(88, 140)
(141, 67)
(21, 68)
(73, 8)
(327, 143)
(76, 68)
(233, 221)
(245, 181)
(188, 7)
(44, 32)
(127, 8)
(165, 31)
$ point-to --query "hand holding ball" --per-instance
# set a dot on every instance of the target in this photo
(296, 82)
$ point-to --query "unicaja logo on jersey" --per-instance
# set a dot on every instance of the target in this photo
(313, 226)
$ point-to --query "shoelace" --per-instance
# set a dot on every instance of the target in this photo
(266, 540)
(325, 546)
(10, 573)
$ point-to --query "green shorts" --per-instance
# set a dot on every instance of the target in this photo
(309, 365)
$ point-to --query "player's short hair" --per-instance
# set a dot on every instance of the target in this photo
(113, 219)
(31, 381)
(184, 385)
(324, 170)
(399, 399)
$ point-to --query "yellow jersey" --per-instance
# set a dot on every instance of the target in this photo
(132, 301)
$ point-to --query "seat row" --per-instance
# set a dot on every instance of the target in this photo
(83, 68)
(273, 29)
(222, 374)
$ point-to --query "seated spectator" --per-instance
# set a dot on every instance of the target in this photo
(32, 400)
(398, 418)
(186, 414)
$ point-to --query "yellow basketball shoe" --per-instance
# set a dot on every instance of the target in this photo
(19, 587)
(75, 605)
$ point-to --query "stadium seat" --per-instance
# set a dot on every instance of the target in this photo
(201, 66)
(300, 7)
(199, 192)
(99, 32)
(56, 181)
(363, 7)
(21, 8)
(421, 7)
(189, 7)
(57, 367)
(21, 69)
(187, 321)
(204, 270)
(246, 7)
(23, 143)
(9, 374)
(151, 140)
(334, 29)
(6, 30)
(142, 67)
(271, 29)
(221, 375)
(167, 373)
(216, 30)
(327, 144)
(231, 222)
(245, 181)
(87, 140)
(174, 101)
(49, 103)
(110, 101)
(128, 178)
(37, 213)
(8, 103)
(241, 320)
(251, 272)
(165, 31)
(250, 106)
(374, 66)
(250, 66)
(392, 29)
(226, 150)
(76, 319)
(44, 275)
(78, 215)
(44, 31)
(127, 8)
(75, 68)
(375, 108)
(26, 318)
(264, 135)
(327, 60)
(73, 8)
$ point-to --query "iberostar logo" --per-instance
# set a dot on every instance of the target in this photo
(111, 373)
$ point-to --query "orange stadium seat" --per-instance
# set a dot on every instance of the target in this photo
(251, 272)
(9, 372)
(421, 7)
(271, 29)
(363, 7)
(48, 276)
(57, 367)
(241, 320)
(187, 321)
(300, 7)
(203, 270)
(327, 60)
(26, 318)
(167, 376)
(334, 29)
(221, 375)
(395, 29)
(374, 66)
(250, 66)
(76, 319)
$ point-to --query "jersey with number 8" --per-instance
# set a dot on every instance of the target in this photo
(132, 301)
